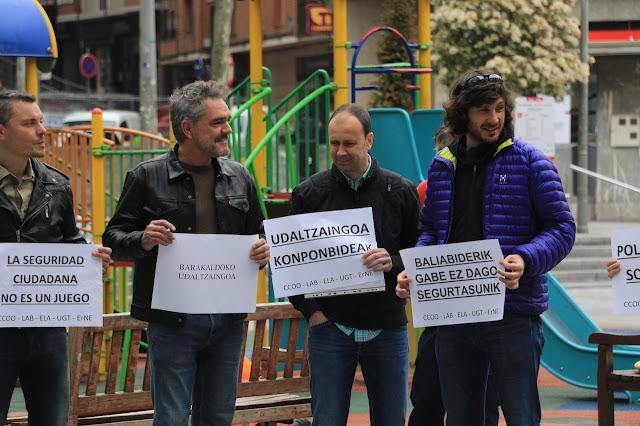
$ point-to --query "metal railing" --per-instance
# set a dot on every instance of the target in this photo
(306, 127)
(604, 178)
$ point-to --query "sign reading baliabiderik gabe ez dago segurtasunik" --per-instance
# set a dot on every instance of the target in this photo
(455, 283)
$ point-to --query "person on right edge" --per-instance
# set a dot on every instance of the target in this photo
(489, 185)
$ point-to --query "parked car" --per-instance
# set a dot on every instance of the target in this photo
(110, 118)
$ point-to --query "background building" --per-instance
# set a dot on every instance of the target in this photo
(109, 29)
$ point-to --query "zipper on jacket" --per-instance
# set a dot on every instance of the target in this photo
(17, 235)
(475, 168)
(44, 205)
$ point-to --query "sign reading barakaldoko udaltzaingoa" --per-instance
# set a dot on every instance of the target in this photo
(50, 285)
(455, 283)
(206, 274)
(316, 252)
(625, 246)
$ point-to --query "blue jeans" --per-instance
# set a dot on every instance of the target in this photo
(513, 347)
(40, 357)
(333, 357)
(197, 364)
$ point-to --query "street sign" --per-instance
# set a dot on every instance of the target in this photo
(88, 65)
(231, 72)
(197, 67)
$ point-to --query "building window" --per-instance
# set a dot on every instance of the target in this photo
(188, 16)
(167, 20)
(277, 12)
(234, 27)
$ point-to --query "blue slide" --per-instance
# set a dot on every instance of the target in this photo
(393, 143)
(567, 353)
(424, 123)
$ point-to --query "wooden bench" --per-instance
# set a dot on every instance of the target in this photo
(267, 397)
(610, 380)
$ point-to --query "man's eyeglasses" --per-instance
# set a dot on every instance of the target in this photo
(479, 80)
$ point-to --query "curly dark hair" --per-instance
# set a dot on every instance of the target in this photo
(461, 98)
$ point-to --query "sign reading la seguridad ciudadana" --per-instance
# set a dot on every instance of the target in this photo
(625, 246)
(318, 252)
(50, 285)
(206, 274)
(455, 283)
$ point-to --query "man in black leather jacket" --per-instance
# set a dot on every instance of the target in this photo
(367, 328)
(191, 189)
(36, 206)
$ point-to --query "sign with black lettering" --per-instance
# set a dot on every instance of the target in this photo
(317, 252)
(50, 285)
(625, 246)
(206, 274)
(455, 283)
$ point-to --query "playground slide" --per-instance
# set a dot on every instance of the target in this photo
(393, 144)
(424, 123)
(567, 353)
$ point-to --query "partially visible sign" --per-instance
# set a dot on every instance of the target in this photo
(535, 122)
(88, 65)
(625, 246)
(50, 285)
(319, 19)
(231, 71)
(198, 65)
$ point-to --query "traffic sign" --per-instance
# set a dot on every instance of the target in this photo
(197, 67)
(88, 65)
(231, 71)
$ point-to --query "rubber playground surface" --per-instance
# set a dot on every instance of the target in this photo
(562, 403)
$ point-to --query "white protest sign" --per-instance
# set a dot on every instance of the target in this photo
(316, 252)
(206, 274)
(50, 285)
(455, 283)
(625, 246)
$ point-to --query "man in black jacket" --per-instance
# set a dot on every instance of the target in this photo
(191, 189)
(367, 328)
(36, 206)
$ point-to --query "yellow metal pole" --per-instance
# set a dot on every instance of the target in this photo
(97, 194)
(32, 76)
(340, 74)
(98, 218)
(258, 129)
(424, 38)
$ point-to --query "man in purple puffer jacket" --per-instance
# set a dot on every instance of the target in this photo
(489, 185)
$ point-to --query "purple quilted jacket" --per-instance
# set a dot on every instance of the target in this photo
(524, 208)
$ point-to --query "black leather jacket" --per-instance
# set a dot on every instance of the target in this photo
(161, 189)
(50, 217)
(396, 217)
